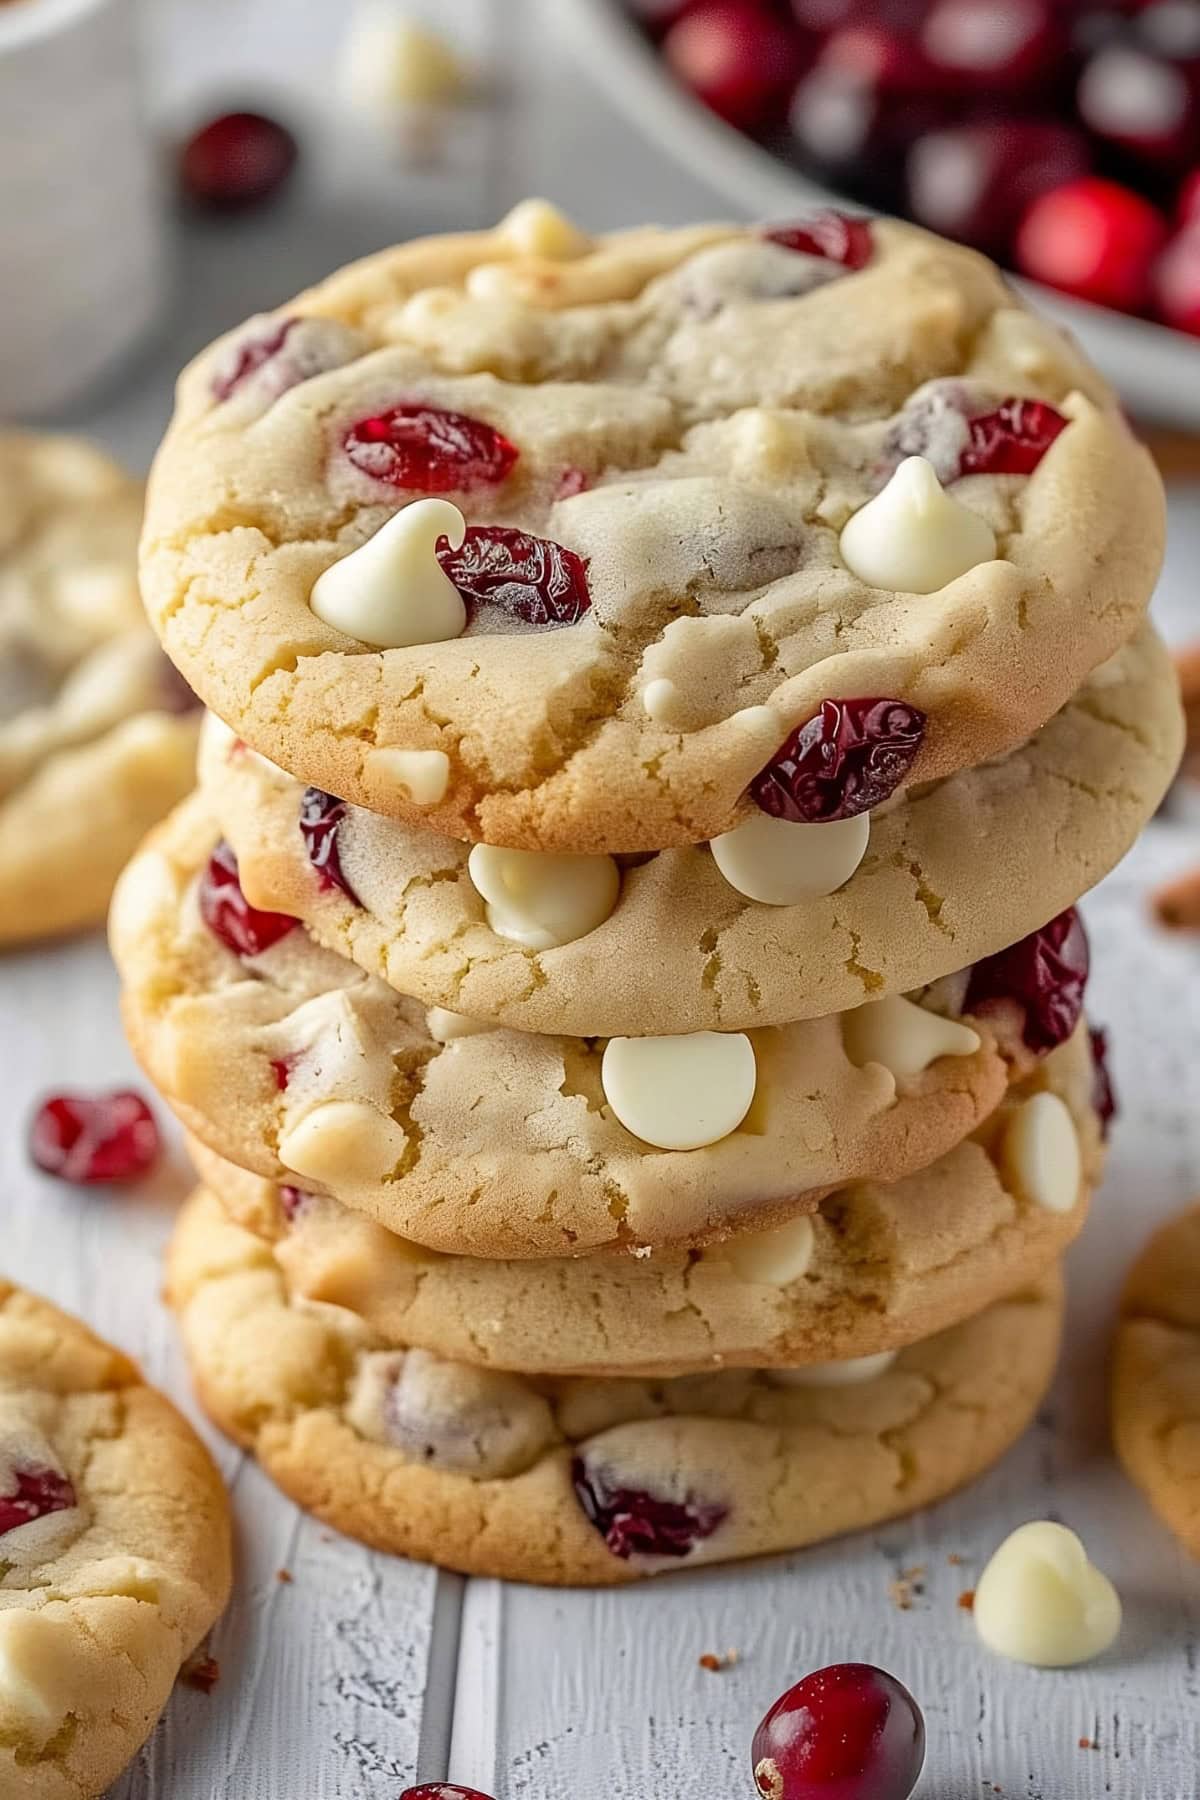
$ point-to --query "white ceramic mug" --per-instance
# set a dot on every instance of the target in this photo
(82, 266)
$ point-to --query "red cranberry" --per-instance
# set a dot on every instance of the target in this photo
(530, 578)
(857, 134)
(635, 1522)
(657, 15)
(111, 1137)
(1045, 974)
(249, 355)
(846, 759)
(38, 1492)
(878, 57)
(236, 160)
(443, 1790)
(833, 235)
(321, 817)
(736, 58)
(1187, 207)
(1177, 281)
(230, 916)
(849, 1732)
(1104, 1094)
(1012, 440)
(428, 450)
(1141, 103)
(997, 49)
(973, 182)
(1094, 239)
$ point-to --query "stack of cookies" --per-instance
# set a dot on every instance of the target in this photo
(619, 970)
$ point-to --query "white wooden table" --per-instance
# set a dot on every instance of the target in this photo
(364, 1670)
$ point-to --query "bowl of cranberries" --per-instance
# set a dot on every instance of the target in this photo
(1061, 137)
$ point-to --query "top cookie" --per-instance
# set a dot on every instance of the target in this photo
(655, 441)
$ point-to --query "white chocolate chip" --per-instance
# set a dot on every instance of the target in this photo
(680, 1093)
(536, 228)
(847, 1373)
(1040, 1600)
(775, 1258)
(1042, 1158)
(781, 864)
(392, 591)
(423, 774)
(388, 61)
(914, 538)
(541, 899)
(43, 1670)
(444, 1026)
(343, 1140)
(903, 1037)
(661, 699)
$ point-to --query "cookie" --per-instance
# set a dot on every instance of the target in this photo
(115, 1551)
(97, 732)
(691, 522)
(1156, 1376)
(294, 1063)
(1055, 815)
(587, 1482)
(874, 1268)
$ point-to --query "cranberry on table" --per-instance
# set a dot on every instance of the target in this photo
(94, 1138)
(973, 182)
(429, 450)
(237, 160)
(228, 914)
(848, 1732)
(1095, 239)
(736, 57)
(846, 759)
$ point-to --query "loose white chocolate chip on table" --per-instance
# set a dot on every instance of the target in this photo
(1041, 1601)
(343, 1140)
(774, 1258)
(680, 1093)
(541, 899)
(661, 699)
(846, 1373)
(1041, 1154)
(914, 537)
(444, 1026)
(537, 228)
(781, 864)
(903, 1037)
(392, 591)
(388, 62)
(423, 774)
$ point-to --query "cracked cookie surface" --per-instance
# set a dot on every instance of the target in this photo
(299, 1066)
(1156, 1376)
(114, 1553)
(874, 1268)
(587, 1482)
(1056, 815)
(94, 746)
(693, 415)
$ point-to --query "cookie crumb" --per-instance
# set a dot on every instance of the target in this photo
(1088, 1744)
(966, 1600)
(285, 1576)
(201, 1673)
(955, 1560)
(715, 1663)
(906, 1587)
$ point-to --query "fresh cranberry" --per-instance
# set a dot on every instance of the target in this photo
(249, 355)
(877, 56)
(849, 1732)
(236, 160)
(281, 1068)
(635, 1522)
(1094, 239)
(736, 58)
(38, 1492)
(428, 450)
(846, 759)
(1045, 974)
(658, 15)
(321, 817)
(1177, 281)
(530, 578)
(111, 1137)
(1187, 207)
(833, 235)
(230, 916)
(1012, 49)
(1141, 103)
(1012, 440)
(443, 1790)
(1104, 1094)
(974, 181)
(857, 134)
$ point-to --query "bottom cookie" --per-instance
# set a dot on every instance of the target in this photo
(1156, 1376)
(114, 1553)
(589, 1481)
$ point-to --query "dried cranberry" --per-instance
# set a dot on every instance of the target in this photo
(635, 1522)
(834, 235)
(230, 916)
(248, 356)
(427, 450)
(1012, 440)
(111, 1137)
(845, 760)
(1045, 974)
(321, 817)
(443, 1790)
(1104, 1094)
(735, 58)
(1094, 239)
(281, 1068)
(849, 1732)
(38, 1492)
(530, 578)
(236, 160)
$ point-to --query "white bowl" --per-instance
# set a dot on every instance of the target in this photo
(1156, 370)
